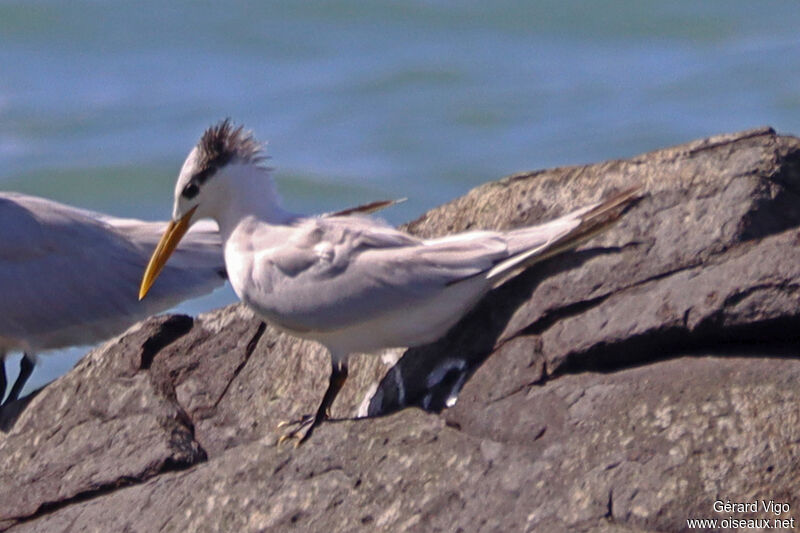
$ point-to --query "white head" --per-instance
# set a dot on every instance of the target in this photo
(222, 178)
(223, 169)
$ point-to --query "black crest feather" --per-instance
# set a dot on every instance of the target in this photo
(223, 143)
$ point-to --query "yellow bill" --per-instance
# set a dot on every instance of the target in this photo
(169, 241)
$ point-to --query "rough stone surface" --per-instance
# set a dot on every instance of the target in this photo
(709, 255)
(624, 386)
(102, 426)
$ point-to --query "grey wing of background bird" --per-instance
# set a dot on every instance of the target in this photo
(70, 276)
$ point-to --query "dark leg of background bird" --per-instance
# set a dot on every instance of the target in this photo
(3, 379)
(25, 370)
(337, 379)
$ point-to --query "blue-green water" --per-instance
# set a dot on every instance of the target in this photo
(100, 101)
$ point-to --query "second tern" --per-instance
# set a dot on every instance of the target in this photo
(68, 276)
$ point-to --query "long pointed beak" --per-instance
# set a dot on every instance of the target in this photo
(169, 241)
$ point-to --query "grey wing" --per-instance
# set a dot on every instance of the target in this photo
(68, 278)
(339, 271)
(356, 269)
(200, 248)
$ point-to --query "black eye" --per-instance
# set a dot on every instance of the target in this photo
(190, 191)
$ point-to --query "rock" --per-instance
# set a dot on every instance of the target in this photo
(655, 445)
(625, 386)
(708, 256)
(103, 426)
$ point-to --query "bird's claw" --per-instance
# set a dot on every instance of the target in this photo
(304, 422)
(288, 437)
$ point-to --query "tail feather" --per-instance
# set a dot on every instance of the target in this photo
(578, 227)
(365, 209)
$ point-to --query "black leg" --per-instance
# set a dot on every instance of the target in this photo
(25, 370)
(3, 379)
(335, 383)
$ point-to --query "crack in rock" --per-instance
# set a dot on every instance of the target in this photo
(170, 330)
(251, 347)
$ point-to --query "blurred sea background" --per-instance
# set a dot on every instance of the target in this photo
(100, 101)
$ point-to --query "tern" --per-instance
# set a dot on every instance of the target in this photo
(66, 276)
(353, 284)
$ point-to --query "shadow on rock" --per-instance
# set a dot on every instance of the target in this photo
(431, 376)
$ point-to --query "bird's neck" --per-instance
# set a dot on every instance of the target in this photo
(250, 195)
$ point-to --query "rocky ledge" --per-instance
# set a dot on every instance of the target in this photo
(625, 386)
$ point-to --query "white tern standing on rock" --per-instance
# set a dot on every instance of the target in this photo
(354, 284)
